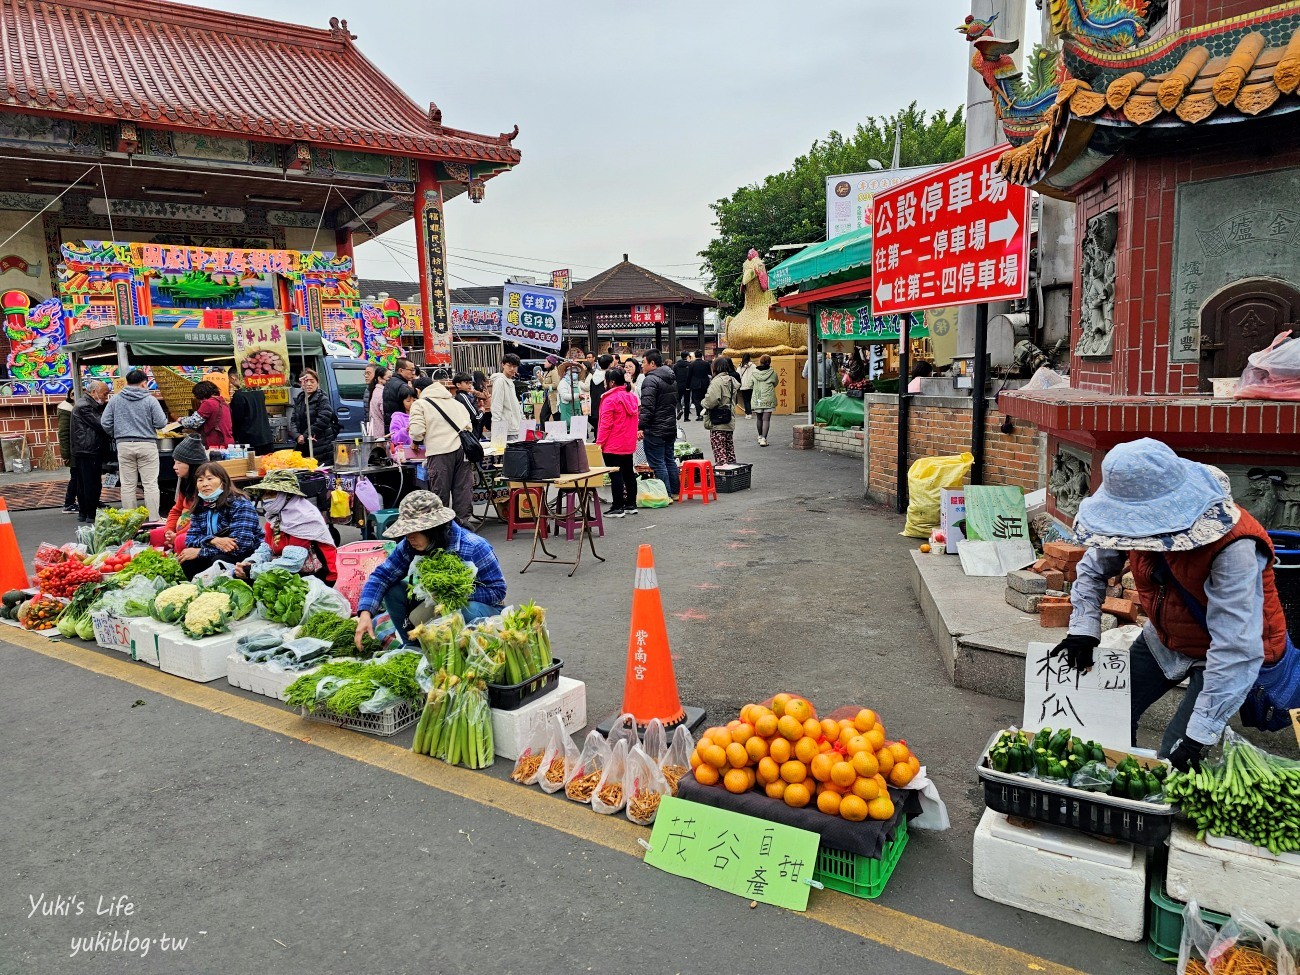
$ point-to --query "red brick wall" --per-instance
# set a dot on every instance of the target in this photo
(941, 430)
(1142, 186)
(22, 416)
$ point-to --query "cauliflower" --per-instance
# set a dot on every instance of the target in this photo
(208, 613)
(170, 604)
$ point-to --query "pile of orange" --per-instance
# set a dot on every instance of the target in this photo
(842, 767)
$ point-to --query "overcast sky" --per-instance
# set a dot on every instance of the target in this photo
(634, 117)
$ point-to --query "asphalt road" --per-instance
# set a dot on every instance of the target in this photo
(270, 853)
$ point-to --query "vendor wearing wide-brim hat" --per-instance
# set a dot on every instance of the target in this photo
(1203, 568)
(425, 525)
(297, 536)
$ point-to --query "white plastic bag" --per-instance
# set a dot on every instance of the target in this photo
(561, 755)
(652, 493)
(677, 762)
(644, 786)
(529, 766)
(934, 814)
(582, 777)
(322, 599)
(609, 796)
(1272, 373)
(623, 729)
(655, 741)
(214, 572)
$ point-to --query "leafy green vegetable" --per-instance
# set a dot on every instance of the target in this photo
(152, 564)
(341, 632)
(445, 579)
(397, 674)
(282, 595)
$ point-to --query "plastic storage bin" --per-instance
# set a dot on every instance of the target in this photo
(508, 697)
(385, 724)
(1165, 926)
(859, 876)
(731, 479)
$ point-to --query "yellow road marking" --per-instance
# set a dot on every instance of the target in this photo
(928, 940)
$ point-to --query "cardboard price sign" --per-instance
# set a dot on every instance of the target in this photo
(958, 235)
(1094, 705)
(751, 858)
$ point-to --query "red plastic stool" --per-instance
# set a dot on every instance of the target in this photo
(697, 481)
(515, 521)
(570, 519)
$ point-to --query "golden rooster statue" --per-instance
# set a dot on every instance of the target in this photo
(754, 329)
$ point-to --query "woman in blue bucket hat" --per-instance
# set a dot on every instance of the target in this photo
(1203, 568)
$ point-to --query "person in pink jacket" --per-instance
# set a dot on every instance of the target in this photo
(617, 435)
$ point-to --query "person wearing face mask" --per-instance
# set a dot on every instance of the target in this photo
(425, 525)
(297, 537)
(223, 526)
(90, 446)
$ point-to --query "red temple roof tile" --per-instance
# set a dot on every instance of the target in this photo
(168, 65)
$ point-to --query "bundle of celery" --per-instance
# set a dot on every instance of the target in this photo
(457, 722)
(443, 641)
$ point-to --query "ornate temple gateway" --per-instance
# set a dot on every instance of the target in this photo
(1173, 127)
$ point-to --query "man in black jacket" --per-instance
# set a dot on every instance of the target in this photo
(395, 392)
(701, 373)
(598, 388)
(682, 374)
(249, 422)
(90, 445)
(658, 422)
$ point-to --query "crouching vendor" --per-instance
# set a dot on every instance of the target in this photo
(1203, 569)
(425, 525)
(297, 535)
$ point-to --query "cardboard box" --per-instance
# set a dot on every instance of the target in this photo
(511, 730)
(952, 514)
(791, 387)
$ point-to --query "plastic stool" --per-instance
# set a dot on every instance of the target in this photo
(515, 521)
(697, 481)
(378, 521)
(571, 519)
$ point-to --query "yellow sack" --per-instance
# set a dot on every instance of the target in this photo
(340, 503)
(925, 479)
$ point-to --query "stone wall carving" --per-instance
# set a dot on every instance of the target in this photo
(1070, 481)
(1097, 325)
(1271, 494)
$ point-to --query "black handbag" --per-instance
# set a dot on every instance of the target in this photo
(573, 457)
(517, 464)
(469, 443)
(546, 460)
(721, 414)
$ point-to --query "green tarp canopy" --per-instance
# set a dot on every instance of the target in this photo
(188, 344)
(846, 252)
(840, 411)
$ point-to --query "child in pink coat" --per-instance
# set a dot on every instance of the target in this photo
(617, 435)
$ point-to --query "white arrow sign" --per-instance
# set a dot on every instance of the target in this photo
(884, 292)
(1004, 229)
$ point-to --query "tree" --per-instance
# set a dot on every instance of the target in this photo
(790, 207)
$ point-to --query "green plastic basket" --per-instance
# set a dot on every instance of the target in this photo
(1165, 928)
(859, 876)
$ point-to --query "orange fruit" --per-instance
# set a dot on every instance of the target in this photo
(880, 781)
(865, 788)
(780, 749)
(821, 767)
(775, 789)
(756, 747)
(742, 732)
(733, 723)
(900, 751)
(805, 749)
(721, 737)
(706, 775)
(830, 729)
(864, 763)
(794, 771)
(746, 712)
(824, 745)
(864, 720)
(915, 763)
(789, 728)
(695, 758)
(829, 803)
(876, 735)
(779, 702)
(886, 759)
(799, 709)
(858, 743)
(880, 808)
(925, 547)
(797, 795)
(901, 774)
(846, 735)
(853, 809)
(768, 770)
(842, 774)
(735, 781)
(765, 725)
(832, 787)
(812, 728)
(714, 755)
(737, 757)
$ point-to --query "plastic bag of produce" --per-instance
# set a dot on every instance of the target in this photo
(528, 766)
(1247, 944)
(263, 642)
(304, 648)
(322, 599)
(486, 654)
(382, 700)
(437, 639)
(925, 479)
(1197, 937)
(466, 737)
(677, 762)
(443, 579)
(217, 570)
(655, 741)
(582, 776)
(643, 786)
(609, 796)
(623, 729)
(561, 756)
(1093, 777)
(652, 493)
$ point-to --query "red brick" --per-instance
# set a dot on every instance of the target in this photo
(1064, 551)
(1053, 614)
(1124, 609)
(1055, 579)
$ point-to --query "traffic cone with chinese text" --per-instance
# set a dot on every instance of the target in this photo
(12, 573)
(650, 686)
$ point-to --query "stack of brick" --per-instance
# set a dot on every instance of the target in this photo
(1061, 557)
(846, 442)
(1043, 589)
(1032, 592)
(805, 436)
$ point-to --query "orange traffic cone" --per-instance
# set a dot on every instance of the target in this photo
(12, 573)
(650, 687)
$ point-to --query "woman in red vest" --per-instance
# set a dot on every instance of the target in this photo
(297, 536)
(1203, 568)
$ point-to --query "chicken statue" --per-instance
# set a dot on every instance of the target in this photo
(759, 328)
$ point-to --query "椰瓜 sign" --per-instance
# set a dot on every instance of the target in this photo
(648, 314)
(958, 235)
(533, 315)
(848, 197)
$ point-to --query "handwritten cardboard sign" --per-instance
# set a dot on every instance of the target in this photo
(1094, 705)
(751, 858)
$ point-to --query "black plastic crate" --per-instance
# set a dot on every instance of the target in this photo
(735, 479)
(511, 697)
(1086, 812)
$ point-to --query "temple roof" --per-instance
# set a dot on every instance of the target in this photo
(629, 284)
(1226, 72)
(167, 65)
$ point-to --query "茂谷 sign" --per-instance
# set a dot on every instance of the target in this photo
(533, 315)
(848, 197)
(261, 349)
(1094, 705)
(957, 235)
(752, 858)
(856, 323)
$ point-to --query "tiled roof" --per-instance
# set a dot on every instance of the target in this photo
(401, 290)
(168, 65)
(1237, 69)
(629, 284)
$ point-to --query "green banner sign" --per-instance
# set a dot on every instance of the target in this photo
(855, 323)
(752, 858)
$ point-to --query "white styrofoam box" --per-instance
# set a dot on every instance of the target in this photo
(511, 730)
(144, 632)
(1067, 883)
(1058, 839)
(259, 678)
(1241, 846)
(112, 632)
(1229, 880)
(199, 660)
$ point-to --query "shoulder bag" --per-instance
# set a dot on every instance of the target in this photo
(469, 443)
(721, 414)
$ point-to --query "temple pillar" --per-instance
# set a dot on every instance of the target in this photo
(343, 243)
(431, 253)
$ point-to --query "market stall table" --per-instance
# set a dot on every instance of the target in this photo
(585, 485)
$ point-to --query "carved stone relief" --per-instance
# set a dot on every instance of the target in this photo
(1097, 331)
(1070, 481)
(1271, 494)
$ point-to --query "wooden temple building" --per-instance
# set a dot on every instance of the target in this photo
(631, 308)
